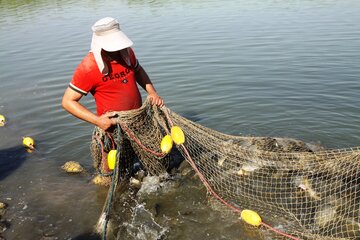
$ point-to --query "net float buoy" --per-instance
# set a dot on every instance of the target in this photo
(251, 217)
(111, 159)
(2, 120)
(177, 135)
(166, 144)
(29, 142)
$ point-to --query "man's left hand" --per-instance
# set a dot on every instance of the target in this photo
(156, 100)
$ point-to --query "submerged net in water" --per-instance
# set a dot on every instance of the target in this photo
(301, 191)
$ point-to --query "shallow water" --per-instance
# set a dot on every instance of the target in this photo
(263, 68)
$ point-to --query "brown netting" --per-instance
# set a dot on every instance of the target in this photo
(312, 193)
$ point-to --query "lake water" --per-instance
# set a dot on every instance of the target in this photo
(261, 68)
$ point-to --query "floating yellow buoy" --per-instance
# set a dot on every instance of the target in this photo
(29, 142)
(166, 144)
(2, 120)
(251, 217)
(177, 135)
(111, 159)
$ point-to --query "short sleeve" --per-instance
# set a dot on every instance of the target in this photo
(81, 81)
(133, 60)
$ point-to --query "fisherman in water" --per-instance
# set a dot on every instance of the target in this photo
(110, 72)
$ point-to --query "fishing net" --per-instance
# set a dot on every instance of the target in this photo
(301, 191)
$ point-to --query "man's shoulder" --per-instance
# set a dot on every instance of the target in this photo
(88, 64)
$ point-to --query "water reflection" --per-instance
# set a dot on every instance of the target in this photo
(10, 160)
(87, 236)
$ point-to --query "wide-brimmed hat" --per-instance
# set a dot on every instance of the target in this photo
(108, 36)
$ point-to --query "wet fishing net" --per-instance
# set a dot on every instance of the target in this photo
(300, 191)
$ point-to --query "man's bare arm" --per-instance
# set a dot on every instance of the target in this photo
(70, 103)
(144, 81)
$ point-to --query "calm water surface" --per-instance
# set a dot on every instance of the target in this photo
(262, 68)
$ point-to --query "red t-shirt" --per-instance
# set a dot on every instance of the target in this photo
(116, 91)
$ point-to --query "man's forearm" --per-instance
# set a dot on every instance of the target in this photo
(144, 81)
(79, 111)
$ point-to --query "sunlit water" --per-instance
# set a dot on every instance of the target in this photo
(262, 68)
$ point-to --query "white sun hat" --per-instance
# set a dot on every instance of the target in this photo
(108, 36)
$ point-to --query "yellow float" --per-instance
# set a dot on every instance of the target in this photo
(177, 135)
(29, 142)
(111, 159)
(166, 144)
(251, 217)
(2, 120)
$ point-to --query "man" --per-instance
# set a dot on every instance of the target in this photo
(110, 72)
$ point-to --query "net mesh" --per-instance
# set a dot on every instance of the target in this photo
(310, 192)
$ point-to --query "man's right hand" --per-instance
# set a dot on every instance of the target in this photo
(70, 102)
(106, 120)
